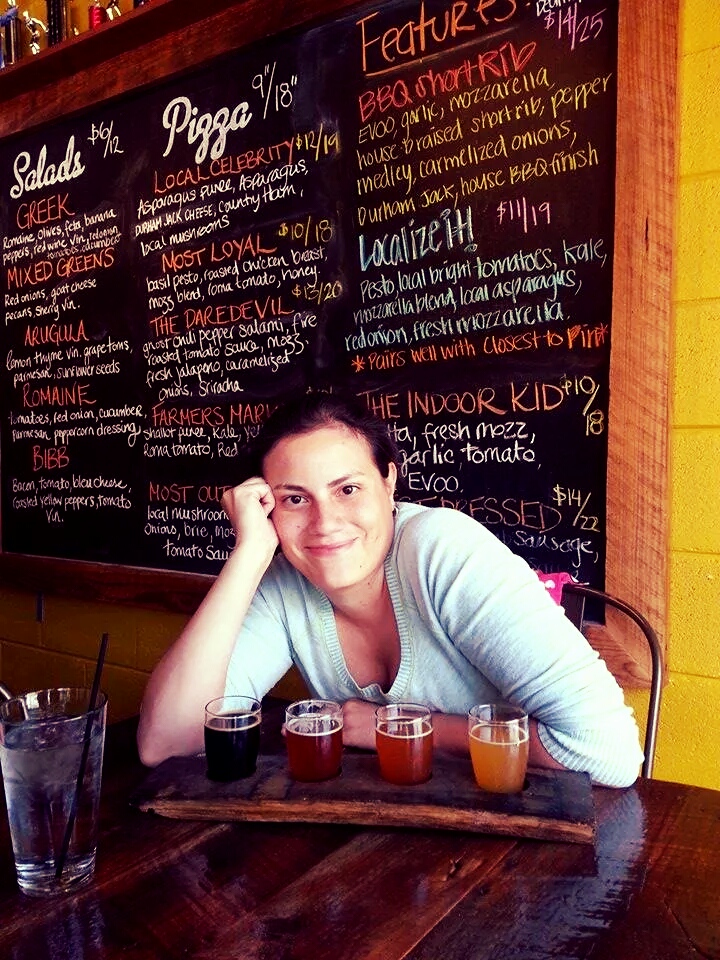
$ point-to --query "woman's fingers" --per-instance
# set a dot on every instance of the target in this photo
(246, 496)
(248, 507)
(359, 724)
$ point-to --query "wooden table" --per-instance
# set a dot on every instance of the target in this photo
(649, 889)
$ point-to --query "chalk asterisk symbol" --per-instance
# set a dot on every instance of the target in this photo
(358, 364)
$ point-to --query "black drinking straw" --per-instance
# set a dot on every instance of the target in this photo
(60, 862)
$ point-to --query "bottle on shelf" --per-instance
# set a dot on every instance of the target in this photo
(34, 26)
(97, 15)
(11, 41)
(57, 25)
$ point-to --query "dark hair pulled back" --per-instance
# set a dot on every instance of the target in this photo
(320, 410)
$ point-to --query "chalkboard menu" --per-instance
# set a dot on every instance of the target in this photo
(413, 201)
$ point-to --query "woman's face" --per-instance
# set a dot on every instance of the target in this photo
(333, 509)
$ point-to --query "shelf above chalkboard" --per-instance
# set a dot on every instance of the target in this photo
(136, 49)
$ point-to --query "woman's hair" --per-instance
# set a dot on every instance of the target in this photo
(320, 410)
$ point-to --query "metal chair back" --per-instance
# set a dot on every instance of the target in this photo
(574, 596)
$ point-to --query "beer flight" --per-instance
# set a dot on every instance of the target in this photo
(498, 737)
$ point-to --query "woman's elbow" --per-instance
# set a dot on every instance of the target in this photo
(152, 746)
(612, 758)
(157, 742)
(623, 774)
(149, 755)
(149, 750)
(617, 782)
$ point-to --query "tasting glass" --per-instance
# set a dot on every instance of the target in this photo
(498, 737)
(232, 737)
(313, 737)
(404, 741)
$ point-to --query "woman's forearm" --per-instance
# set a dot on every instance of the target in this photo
(193, 670)
(451, 736)
(450, 733)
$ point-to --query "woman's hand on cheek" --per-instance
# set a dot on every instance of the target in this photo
(359, 724)
(248, 507)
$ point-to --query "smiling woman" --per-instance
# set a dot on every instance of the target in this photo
(333, 511)
(380, 603)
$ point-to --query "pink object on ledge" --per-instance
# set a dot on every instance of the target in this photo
(554, 583)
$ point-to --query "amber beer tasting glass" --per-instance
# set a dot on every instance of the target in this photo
(404, 740)
(313, 736)
(499, 740)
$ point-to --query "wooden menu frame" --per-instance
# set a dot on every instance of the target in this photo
(164, 37)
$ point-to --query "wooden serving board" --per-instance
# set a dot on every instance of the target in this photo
(555, 805)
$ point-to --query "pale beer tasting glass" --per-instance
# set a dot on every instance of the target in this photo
(313, 737)
(51, 752)
(232, 737)
(404, 741)
(498, 736)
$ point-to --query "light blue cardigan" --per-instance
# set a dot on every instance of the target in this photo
(475, 624)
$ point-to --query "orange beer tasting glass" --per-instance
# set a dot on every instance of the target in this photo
(313, 737)
(404, 740)
(499, 741)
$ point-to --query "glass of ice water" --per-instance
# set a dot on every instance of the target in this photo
(42, 739)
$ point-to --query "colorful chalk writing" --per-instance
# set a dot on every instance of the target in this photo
(413, 201)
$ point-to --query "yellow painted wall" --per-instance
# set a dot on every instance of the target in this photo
(61, 648)
(689, 739)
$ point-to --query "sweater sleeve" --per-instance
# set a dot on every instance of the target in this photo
(261, 655)
(496, 612)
